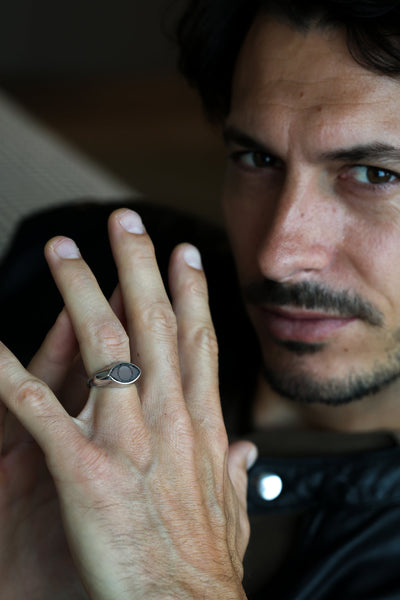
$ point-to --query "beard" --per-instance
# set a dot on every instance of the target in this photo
(299, 385)
(334, 391)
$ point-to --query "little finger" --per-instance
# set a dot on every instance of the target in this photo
(242, 456)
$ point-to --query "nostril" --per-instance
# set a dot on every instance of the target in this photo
(288, 259)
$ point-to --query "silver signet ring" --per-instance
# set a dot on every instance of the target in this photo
(122, 373)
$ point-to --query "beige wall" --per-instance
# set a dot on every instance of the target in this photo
(102, 74)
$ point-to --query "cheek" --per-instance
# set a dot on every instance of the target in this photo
(367, 242)
(375, 250)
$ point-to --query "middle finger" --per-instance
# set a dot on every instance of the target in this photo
(151, 321)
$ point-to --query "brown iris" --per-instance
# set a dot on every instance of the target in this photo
(376, 175)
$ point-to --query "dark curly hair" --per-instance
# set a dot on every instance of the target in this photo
(211, 32)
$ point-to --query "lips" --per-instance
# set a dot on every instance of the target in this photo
(291, 324)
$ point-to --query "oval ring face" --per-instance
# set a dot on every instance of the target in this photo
(125, 373)
(122, 373)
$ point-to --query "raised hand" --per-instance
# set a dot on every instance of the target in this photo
(152, 498)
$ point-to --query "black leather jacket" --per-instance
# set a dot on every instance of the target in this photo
(343, 511)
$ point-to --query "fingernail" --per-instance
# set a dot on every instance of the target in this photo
(192, 257)
(66, 248)
(252, 457)
(131, 222)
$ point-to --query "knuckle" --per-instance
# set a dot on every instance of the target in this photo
(79, 277)
(220, 440)
(144, 251)
(159, 318)
(204, 339)
(181, 424)
(197, 287)
(110, 335)
(32, 391)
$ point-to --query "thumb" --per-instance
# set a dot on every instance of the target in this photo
(242, 456)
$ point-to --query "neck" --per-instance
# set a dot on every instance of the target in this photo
(373, 413)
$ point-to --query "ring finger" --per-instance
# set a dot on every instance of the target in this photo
(102, 338)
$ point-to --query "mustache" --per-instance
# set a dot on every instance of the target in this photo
(313, 295)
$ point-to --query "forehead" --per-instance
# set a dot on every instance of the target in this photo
(283, 76)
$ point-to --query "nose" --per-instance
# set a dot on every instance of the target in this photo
(299, 240)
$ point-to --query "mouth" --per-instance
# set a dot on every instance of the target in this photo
(300, 325)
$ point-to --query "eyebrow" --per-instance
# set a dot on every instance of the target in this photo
(232, 135)
(373, 151)
(354, 154)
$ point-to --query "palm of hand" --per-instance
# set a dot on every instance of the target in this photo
(35, 561)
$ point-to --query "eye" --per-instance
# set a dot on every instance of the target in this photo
(373, 175)
(252, 159)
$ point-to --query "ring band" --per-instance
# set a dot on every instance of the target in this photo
(122, 373)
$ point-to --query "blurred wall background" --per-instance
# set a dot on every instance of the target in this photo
(102, 74)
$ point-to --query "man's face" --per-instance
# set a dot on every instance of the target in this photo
(312, 205)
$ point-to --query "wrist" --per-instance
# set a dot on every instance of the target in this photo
(206, 587)
(208, 592)
(195, 585)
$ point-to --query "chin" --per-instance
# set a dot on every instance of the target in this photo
(301, 384)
